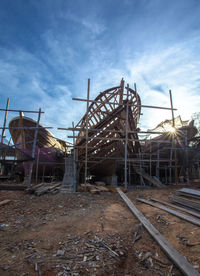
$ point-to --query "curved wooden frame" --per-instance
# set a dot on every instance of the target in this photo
(107, 125)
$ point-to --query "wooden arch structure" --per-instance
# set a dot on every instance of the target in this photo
(105, 129)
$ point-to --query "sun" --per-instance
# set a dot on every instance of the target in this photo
(171, 129)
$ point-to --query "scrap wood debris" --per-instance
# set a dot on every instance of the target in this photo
(189, 198)
(4, 202)
(61, 251)
(44, 188)
(98, 188)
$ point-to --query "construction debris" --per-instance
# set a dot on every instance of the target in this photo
(173, 212)
(188, 198)
(4, 202)
(196, 214)
(44, 188)
(177, 258)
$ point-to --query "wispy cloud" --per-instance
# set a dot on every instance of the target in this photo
(66, 42)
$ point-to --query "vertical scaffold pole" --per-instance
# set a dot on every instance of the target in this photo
(173, 140)
(86, 139)
(5, 120)
(34, 148)
(126, 142)
(74, 161)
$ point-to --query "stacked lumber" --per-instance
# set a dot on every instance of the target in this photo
(94, 189)
(44, 188)
(99, 188)
(10, 187)
(188, 198)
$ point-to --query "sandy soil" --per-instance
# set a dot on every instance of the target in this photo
(85, 234)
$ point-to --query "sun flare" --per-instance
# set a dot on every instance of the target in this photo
(171, 129)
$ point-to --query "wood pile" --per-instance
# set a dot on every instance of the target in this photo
(44, 188)
(15, 187)
(189, 198)
(99, 188)
(93, 189)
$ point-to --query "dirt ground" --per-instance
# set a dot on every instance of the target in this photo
(86, 234)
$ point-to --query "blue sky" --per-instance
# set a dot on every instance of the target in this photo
(49, 48)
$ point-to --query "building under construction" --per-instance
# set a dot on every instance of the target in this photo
(107, 145)
(69, 231)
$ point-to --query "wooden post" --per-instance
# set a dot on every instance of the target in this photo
(126, 141)
(33, 149)
(121, 91)
(5, 120)
(187, 163)
(150, 160)
(36, 175)
(174, 143)
(74, 162)
(43, 172)
(141, 178)
(158, 162)
(86, 139)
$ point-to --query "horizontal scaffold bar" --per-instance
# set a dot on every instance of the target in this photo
(20, 110)
(110, 130)
(120, 139)
(26, 127)
(129, 104)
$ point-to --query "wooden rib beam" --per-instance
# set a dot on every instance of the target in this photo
(175, 213)
(180, 261)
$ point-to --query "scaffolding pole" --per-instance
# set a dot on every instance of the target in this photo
(126, 142)
(86, 144)
(33, 149)
(5, 120)
(173, 140)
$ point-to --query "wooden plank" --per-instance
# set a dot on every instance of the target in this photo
(175, 213)
(181, 262)
(13, 187)
(190, 191)
(186, 202)
(177, 207)
(155, 181)
(4, 202)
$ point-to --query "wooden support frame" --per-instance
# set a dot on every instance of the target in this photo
(97, 129)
